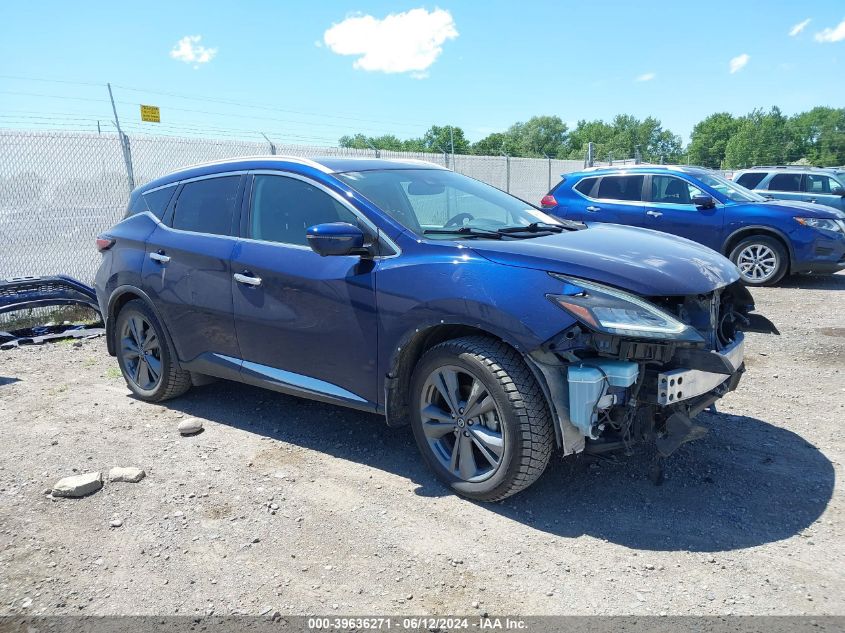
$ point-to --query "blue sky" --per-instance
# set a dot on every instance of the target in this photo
(322, 69)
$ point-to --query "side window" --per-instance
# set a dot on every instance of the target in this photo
(207, 206)
(629, 188)
(585, 186)
(283, 208)
(785, 182)
(819, 184)
(157, 201)
(751, 179)
(672, 190)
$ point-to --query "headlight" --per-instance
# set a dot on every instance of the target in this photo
(823, 223)
(613, 311)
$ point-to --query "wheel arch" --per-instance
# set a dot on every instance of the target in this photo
(119, 298)
(747, 231)
(407, 354)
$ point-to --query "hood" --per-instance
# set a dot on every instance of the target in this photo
(646, 262)
(807, 209)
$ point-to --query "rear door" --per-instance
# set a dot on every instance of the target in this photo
(670, 209)
(187, 268)
(820, 188)
(303, 321)
(786, 186)
(614, 199)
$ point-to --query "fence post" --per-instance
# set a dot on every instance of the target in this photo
(590, 154)
(270, 143)
(124, 144)
(549, 159)
(507, 173)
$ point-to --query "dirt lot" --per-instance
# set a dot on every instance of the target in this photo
(289, 505)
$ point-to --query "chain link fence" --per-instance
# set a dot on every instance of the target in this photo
(59, 190)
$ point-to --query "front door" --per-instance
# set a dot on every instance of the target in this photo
(186, 269)
(303, 321)
(670, 209)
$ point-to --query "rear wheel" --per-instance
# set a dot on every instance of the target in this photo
(146, 356)
(480, 419)
(761, 260)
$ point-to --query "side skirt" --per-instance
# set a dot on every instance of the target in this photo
(286, 382)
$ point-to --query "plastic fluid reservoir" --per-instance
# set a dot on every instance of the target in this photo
(587, 383)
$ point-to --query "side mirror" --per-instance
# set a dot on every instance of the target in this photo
(838, 191)
(336, 238)
(703, 201)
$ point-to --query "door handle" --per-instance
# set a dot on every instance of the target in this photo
(159, 257)
(654, 214)
(593, 209)
(247, 278)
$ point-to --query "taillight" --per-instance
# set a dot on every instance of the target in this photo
(104, 243)
(548, 201)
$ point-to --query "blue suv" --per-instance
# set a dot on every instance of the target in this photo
(397, 287)
(765, 238)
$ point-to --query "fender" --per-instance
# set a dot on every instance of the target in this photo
(109, 316)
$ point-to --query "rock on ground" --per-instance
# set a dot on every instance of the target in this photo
(129, 474)
(78, 485)
(190, 426)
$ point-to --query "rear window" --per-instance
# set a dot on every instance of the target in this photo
(157, 201)
(628, 188)
(785, 182)
(207, 206)
(585, 186)
(751, 179)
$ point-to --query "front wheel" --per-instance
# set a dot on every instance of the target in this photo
(479, 418)
(761, 260)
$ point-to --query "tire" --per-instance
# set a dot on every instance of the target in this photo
(157, 377)
(517, 430)
(761, 260)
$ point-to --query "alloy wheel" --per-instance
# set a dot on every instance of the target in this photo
(140, 350)
(462, 424)
(757, 263)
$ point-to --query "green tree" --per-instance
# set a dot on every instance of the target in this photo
(439, 139)
(819, 135)
(491, 145)
(762, 138)
(538, 136)
(709, 139)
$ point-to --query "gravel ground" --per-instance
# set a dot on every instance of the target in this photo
(287, 505)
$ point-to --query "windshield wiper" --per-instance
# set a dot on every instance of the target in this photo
(534, 227)
(465, 231)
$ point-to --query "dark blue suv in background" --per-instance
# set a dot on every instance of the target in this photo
(397, 287)
(765, 238)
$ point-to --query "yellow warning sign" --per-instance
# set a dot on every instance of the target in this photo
(151, 114)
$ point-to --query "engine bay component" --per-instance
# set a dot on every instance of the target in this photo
(592, 387)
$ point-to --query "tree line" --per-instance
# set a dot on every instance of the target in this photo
(722, 140)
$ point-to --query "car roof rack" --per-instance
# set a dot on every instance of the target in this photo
(646, 166)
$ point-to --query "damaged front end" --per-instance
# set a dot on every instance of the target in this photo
(640, 369)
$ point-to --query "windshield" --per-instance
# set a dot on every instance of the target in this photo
(729, 189)
(433, 202)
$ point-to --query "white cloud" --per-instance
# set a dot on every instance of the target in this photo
(401, 42)
(795, 30)
(190, 51)
(739, 62)
(646, 77)
(835, 34)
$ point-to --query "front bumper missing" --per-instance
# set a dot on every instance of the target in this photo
(677, 385)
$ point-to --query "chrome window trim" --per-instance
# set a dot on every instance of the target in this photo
(160, 187)
(333, 194)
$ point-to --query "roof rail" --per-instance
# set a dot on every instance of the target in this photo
(806, 167)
